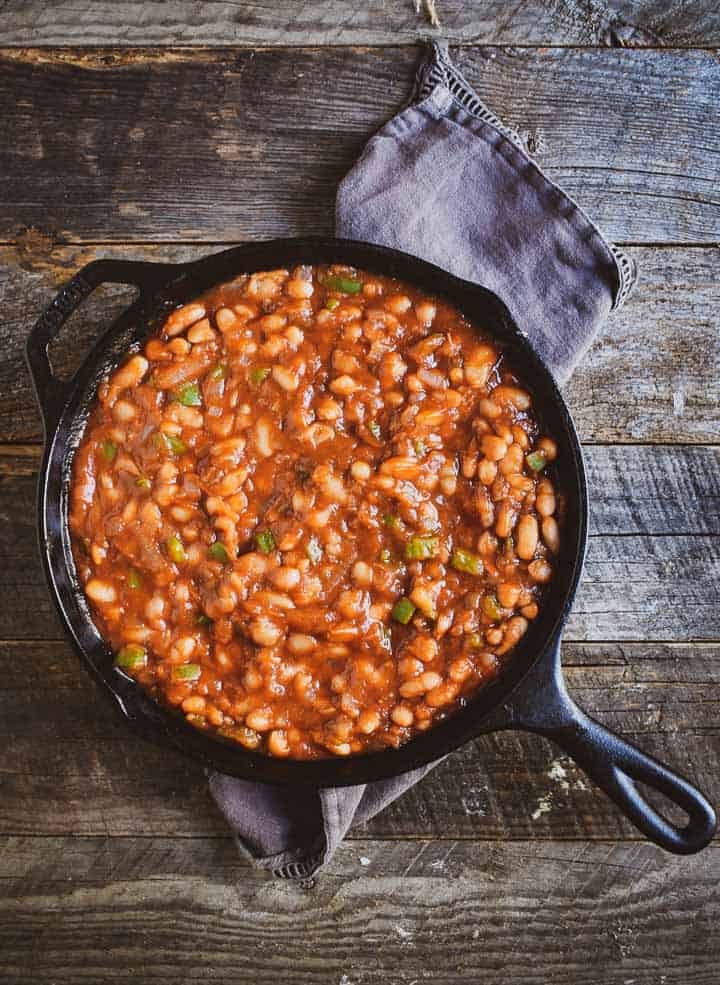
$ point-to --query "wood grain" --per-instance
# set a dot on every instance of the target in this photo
(70, 766)
(181, 911)
(264, 138)
(374, 22)
(649, 377)
(652, 572)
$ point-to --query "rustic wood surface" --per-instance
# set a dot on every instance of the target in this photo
(194, 127)
(264, 138)
(171, 910)
(619, 23)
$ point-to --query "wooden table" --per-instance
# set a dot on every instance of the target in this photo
(172, 130)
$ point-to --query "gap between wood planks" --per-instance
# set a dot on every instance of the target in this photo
(676, 644)
(115, 53)
(33, 450)
(355, 835)
(567, 664)
(57, 243)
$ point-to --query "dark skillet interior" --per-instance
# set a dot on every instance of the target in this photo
(169, 286)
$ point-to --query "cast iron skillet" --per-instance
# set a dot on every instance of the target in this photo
(530, 694)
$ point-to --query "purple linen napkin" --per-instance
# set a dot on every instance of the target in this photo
(446, 181)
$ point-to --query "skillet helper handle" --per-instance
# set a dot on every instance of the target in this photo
(542, 705)
(51, 392)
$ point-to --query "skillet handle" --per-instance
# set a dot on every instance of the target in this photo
(541, 704)
(50, 391)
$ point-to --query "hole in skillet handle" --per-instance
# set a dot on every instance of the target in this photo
(541, 704)
(52, 392)
(86, 325)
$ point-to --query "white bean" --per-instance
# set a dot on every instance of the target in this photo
(100, 591)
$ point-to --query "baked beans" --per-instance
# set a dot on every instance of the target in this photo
(315, 512)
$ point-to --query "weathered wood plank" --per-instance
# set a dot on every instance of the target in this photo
(652, 374)
(639, 588)
(653, 567)
(71, 766)
(649, 377)
(183, 911)
(260, 140)
(17, 460)
(375, 22)
(656, 490)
